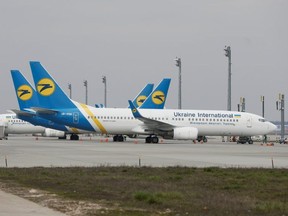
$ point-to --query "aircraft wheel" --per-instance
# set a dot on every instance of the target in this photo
(74, 137)
(155, 139)
(115, 138)
(120, 138)
(148, 139)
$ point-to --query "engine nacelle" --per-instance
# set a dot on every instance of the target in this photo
(185, 133)
(53, 133)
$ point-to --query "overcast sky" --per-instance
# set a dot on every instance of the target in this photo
(135, 42)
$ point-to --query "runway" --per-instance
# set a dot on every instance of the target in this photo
(101, 151)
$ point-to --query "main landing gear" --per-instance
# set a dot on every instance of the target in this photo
(118, 138)
(74, 137)
(152, 139)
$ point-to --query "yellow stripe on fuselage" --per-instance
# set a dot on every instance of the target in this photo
(95, 120)
(74, 130)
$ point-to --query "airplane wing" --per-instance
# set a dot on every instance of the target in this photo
(150, 123)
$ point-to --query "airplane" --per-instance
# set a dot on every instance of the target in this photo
(27, 97)
(167, 123)
(10, 124)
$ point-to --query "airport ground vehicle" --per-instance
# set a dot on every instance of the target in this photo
(202, 138)
(285, 141)
(244, 139)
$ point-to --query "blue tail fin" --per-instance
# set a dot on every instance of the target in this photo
(50, 95)
(157, 98)
(25, 93)
(143, 94)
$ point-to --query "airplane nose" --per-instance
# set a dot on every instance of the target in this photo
(272, 127)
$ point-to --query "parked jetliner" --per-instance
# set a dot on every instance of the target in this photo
(27, 98)
(167, 123)
(13, 125)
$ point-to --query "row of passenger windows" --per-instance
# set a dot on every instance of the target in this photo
(163, 119)
(110, 117)
(207, 120)
(16, 120)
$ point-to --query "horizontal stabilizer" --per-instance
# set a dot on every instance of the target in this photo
(40, 110)
(22, 113)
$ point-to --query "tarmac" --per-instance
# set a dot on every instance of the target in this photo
(101, 151)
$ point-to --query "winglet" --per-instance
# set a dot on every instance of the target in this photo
(134, 110)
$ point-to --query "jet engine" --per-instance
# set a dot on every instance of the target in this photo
(53, 133)
(185, 133)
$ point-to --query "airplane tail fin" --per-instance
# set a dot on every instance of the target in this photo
(157, 98)
(50, 95)
(142, 95)
(25, 93)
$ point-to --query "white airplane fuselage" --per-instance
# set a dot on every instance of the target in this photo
(121, 121)
(14, 125)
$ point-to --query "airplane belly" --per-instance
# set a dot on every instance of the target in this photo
(118, 128)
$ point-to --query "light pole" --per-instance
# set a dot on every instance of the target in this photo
(280, 106)
(104, 80)
(262, 100)
(178, 64)
(86, 91)
(228, 54)
(241, 106)
(70, 90)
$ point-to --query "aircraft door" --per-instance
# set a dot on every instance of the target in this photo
(75, 117)
(249, 122)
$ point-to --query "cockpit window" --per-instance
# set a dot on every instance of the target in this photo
(262, 120)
